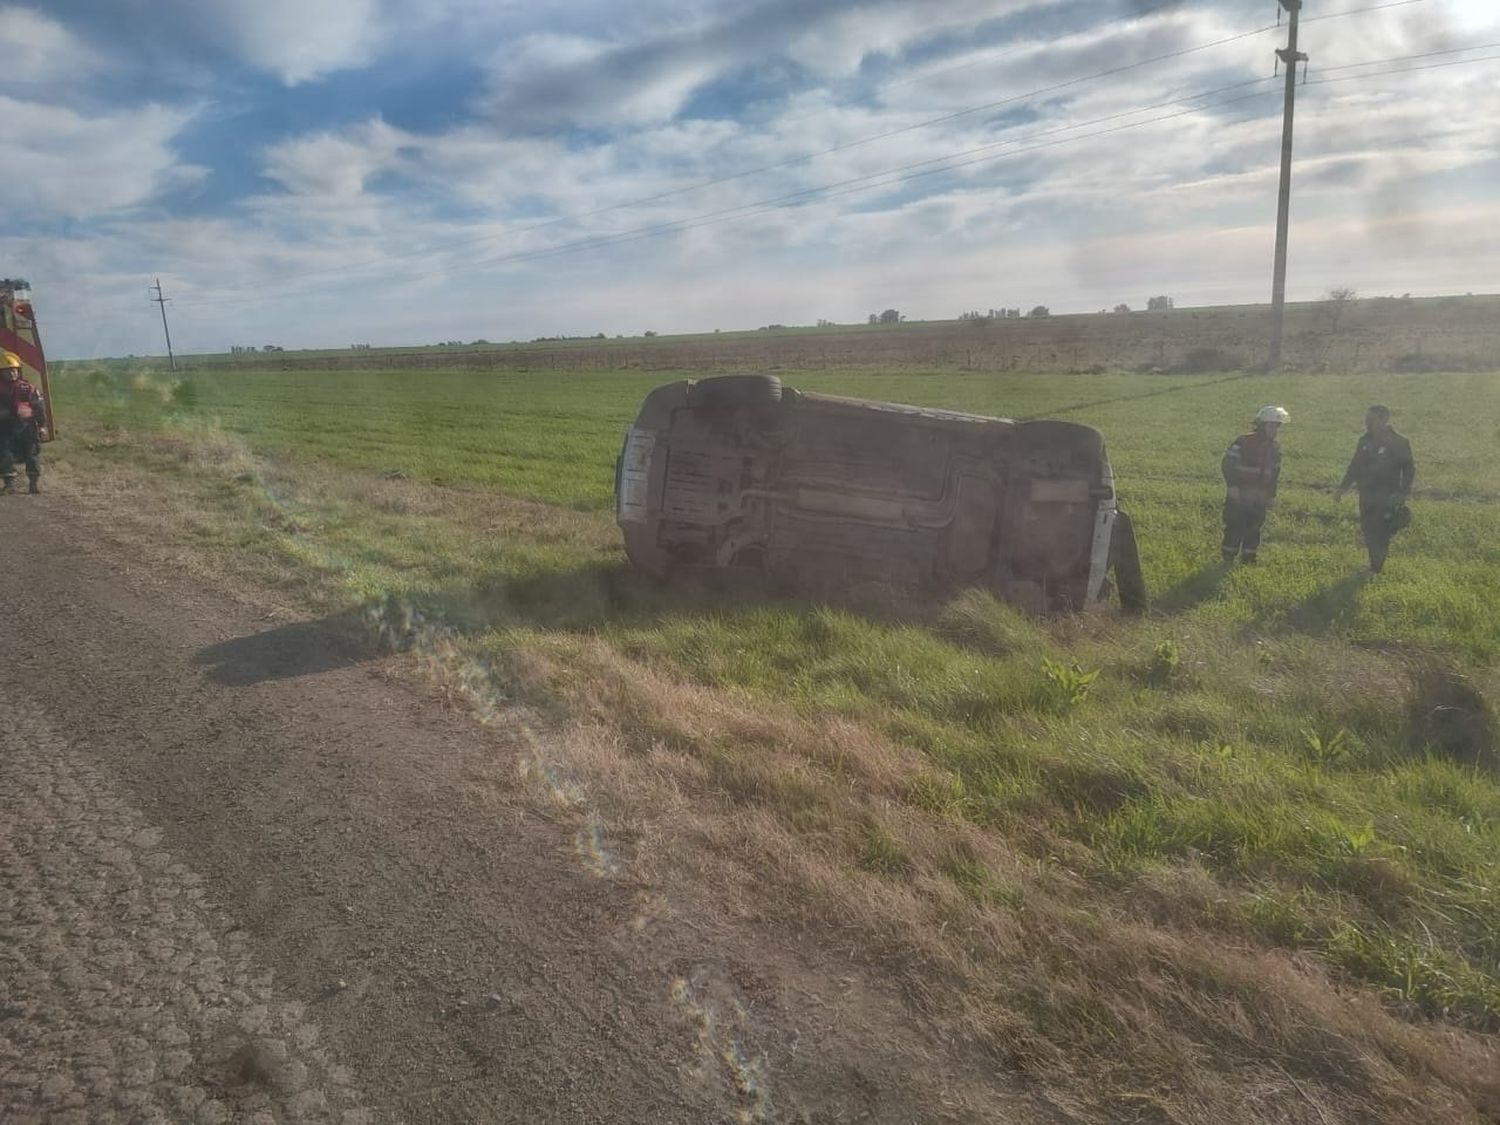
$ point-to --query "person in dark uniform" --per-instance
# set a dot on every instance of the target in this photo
(1252, 469)
(1383, 471)
(23, 423)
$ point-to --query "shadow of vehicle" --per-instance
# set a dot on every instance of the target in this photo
(579, 599)
(1200, 586)
(591, 597)
(584, 599)
(1331, 609)
(304, 648)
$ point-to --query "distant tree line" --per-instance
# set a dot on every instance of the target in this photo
(975, 316)
(992, 314)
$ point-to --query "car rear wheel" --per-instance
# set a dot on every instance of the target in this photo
(1127, 565)
(1065, 447)
(755, 391)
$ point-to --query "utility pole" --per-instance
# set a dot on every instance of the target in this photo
(162, 301)
(1291, 57)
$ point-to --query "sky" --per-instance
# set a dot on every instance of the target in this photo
(401, 172)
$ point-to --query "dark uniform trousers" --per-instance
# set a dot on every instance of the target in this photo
(1380, 517)
(20, 443)
(1243, 522)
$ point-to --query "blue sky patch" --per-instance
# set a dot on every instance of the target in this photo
(286, 150)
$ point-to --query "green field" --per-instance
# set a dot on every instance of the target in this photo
(1263, 822)
(554, 439)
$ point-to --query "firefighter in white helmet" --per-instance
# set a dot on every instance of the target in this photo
(1251, 468)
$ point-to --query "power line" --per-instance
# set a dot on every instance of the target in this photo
(1362, 11)
(906, 173)
(1412, 58)
(832, 150)
(891, 177)
(895, 176)
(793, 161)
(1403, 70)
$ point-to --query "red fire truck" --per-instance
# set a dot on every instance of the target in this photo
(18, 333)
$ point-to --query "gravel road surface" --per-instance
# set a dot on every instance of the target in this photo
(244, 876)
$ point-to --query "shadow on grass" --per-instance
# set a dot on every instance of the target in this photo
(305, 648)
(1194, 590)
(1330, 610)
(581, 599)
(587, 599)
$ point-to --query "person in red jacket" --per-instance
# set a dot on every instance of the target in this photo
(1252, 469)
(23, 423)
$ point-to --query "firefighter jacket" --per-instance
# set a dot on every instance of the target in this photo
(1382, 468)
(12, 397)
(1252, 468)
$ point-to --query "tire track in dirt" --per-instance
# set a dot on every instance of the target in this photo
(123, 996)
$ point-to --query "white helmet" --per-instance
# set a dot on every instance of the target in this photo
(1272, 414)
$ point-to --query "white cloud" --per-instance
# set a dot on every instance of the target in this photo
(60, 163)
(36, 49)
(297, 40)
(852, 33)
(336, 165)
(1382, 192)
(302, 41)
(647, 80)
(1470, 15)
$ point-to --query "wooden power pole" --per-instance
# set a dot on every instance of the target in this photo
(1291, 57)
(162, 301)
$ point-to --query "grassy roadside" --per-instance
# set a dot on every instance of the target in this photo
(1219, 863)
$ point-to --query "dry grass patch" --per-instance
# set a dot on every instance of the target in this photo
(1117, 1001)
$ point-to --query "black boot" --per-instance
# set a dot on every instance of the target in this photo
(33, 486)
(8, 486)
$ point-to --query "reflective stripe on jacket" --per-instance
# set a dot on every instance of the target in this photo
(1252, 465)
(12, 395)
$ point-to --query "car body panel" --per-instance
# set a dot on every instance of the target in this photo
(824, 494)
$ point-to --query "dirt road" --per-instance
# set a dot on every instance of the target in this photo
(243, 876)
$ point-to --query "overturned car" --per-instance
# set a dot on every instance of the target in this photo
(823, 494)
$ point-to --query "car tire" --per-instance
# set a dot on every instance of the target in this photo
(1081, 443)
(1129, 577)
(754, 391)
